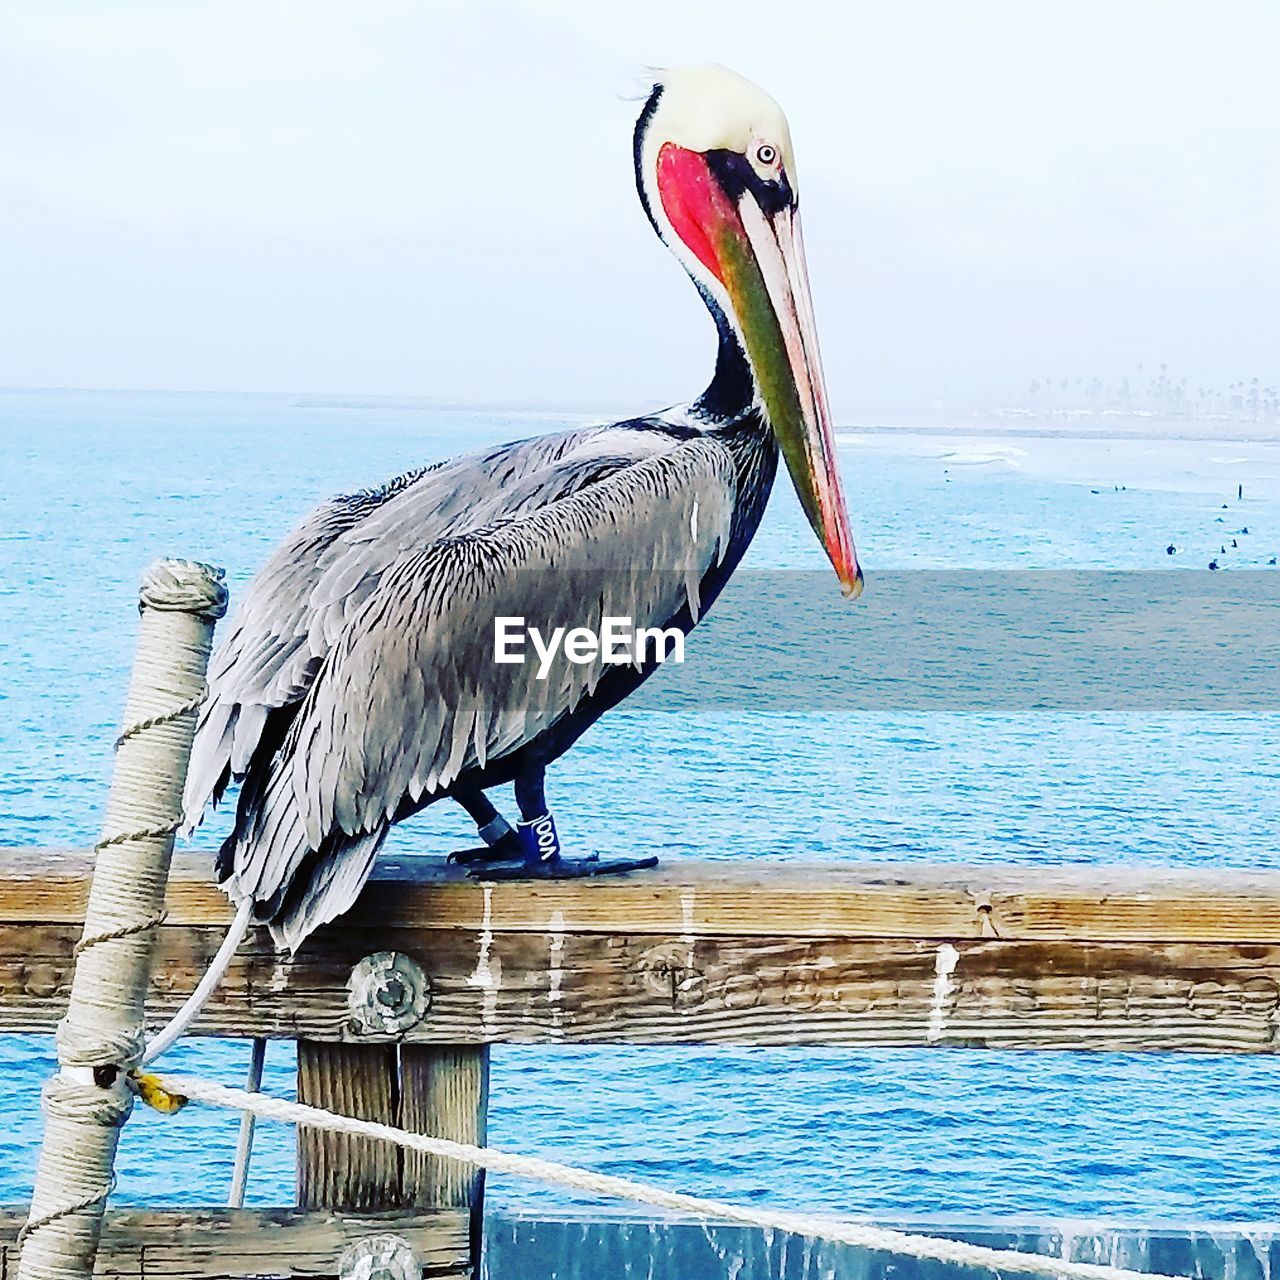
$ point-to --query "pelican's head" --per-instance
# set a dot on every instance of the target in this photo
(717, 176)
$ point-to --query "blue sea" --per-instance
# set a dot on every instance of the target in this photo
(95, 485)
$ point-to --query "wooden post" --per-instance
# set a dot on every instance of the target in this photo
(445, 1092)
(336, 1170)
(102, 1035)
(437, 1089)
(441, 1090)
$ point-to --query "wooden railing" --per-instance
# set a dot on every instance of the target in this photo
(698, 952)
(394, 1006)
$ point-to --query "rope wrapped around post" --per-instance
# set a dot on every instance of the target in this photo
(102, 1036)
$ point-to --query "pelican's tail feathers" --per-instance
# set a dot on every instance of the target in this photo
(326, 887)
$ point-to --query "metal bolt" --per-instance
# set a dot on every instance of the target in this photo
(387, 994)
(666, 972)
(381, 1257)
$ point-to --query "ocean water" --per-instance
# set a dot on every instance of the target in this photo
(96, 485)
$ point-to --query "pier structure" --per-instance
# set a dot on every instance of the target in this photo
(394, 1008)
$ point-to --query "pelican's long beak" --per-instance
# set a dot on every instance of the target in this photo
(766, 277)
(757, 255)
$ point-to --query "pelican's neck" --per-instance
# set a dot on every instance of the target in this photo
(731, 394)
(732, 409)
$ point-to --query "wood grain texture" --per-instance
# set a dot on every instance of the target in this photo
(441, 1090)
(1000, 957)
(339, 1170)
(647, 989)
(444, 1090)
(234, 1244)
(1083, 903)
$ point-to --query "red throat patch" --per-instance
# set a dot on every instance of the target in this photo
(694, 203)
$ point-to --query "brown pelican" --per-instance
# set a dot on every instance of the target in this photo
(359, 683)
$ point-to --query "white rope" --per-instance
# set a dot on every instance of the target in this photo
(103, 1031)
(859, 1235)
(177, 1026)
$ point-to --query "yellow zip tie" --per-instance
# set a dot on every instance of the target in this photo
(148, 1087)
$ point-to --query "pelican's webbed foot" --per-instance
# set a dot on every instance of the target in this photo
(562, 868)
(541, 859)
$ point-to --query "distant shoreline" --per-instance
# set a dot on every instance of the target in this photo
(969, 424)
(987, 431)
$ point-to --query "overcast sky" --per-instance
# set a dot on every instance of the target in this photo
(416, 198)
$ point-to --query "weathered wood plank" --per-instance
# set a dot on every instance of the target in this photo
(646, 989)
(1084, 903)
(444, 1090)
(234, 1244)
(339, 1170)
(1028, 957)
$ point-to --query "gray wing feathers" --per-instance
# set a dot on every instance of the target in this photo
(333, 885)
(413, 686)
(263, 661)
(318, 580)
(408, 694)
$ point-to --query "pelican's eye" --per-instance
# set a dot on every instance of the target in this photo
(766, 154)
